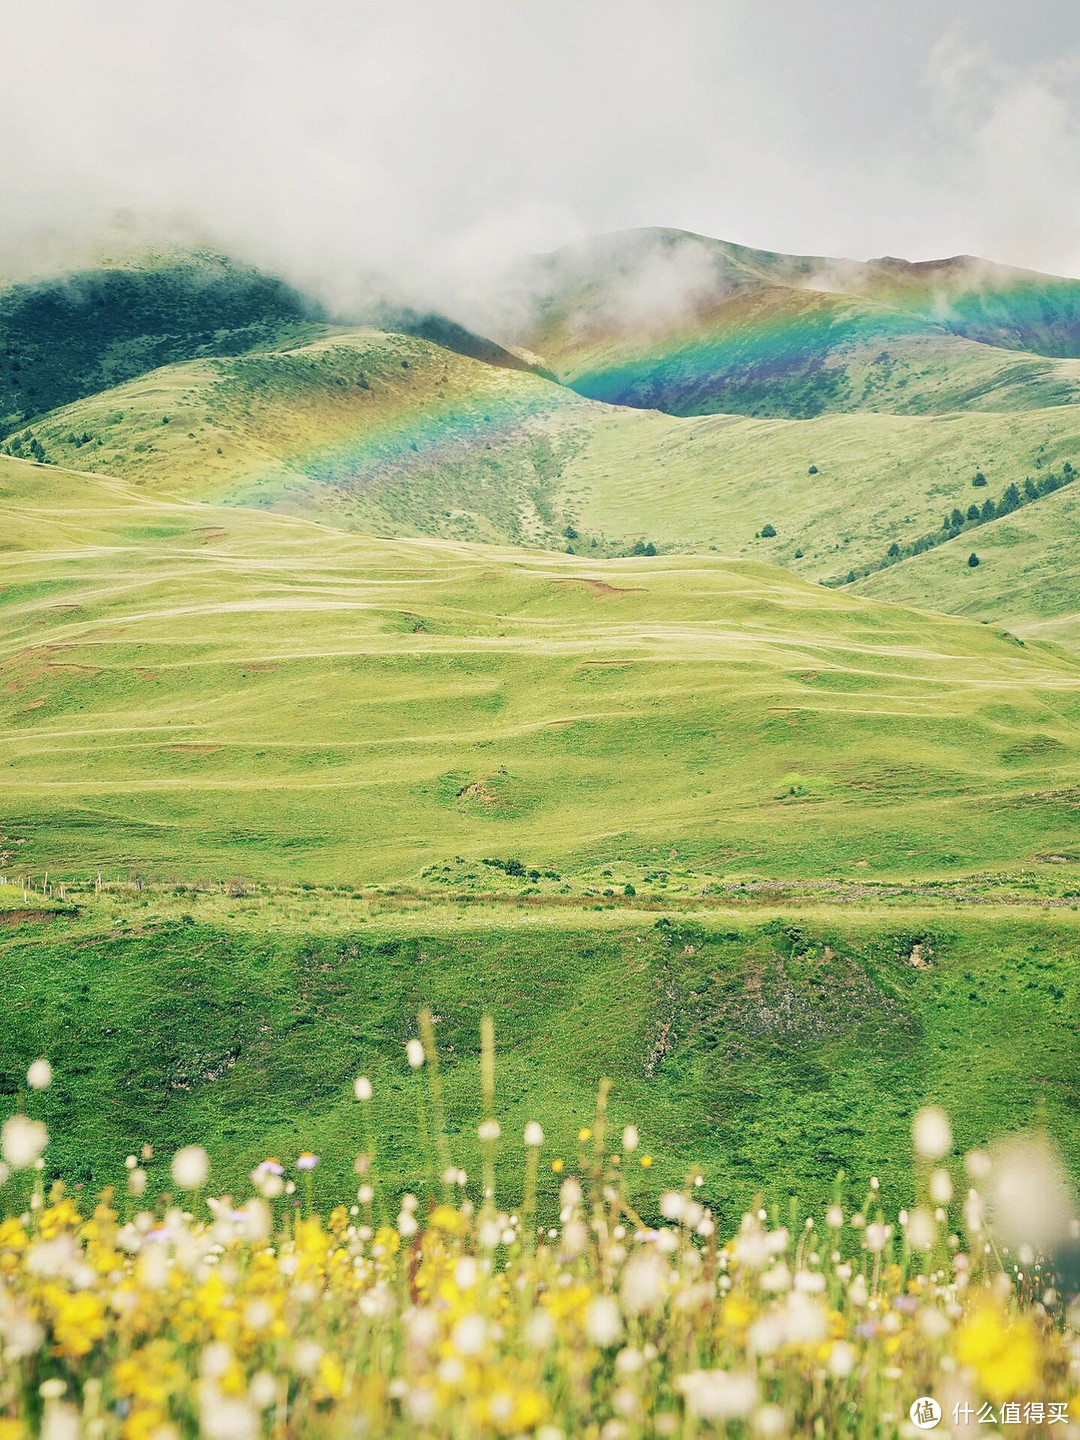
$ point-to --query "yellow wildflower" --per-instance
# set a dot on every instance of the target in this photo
(78, 1320)
(1001, 1351)
(389, 1239)
(738, 1312)
(62, 1216)
(331, 1377)
(446, 1218)
(12, 1235)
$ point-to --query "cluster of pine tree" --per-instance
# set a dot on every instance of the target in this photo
(1014, 497)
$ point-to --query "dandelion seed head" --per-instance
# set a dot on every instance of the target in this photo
(978, 1165)
(539, 1330)
(629, 1361)
(941, 1187)
(1028, 1194)
(215, 1360)
(362, 1088)
(262, 1391)
(842, 1359)
(190, 1167)
(22, 1140)
(603, 1324)
(306, 1356)
(40, 1075)
(470, 1334)
(570, 1193)
(768, 1422)
(414, 1053)
(931, 1133)
(672, 1205)
(718, 1394)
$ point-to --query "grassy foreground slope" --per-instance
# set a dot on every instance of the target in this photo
(748, 1046)
(191, 690)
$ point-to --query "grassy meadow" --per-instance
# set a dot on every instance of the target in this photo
(192, 691)
(1027, 577)
(393, 435)
(351, 674)
(692, 824)
(467, 1313)
(744, 1038)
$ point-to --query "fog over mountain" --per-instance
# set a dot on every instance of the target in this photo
(352, 145)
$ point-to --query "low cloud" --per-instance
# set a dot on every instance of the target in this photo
(414, 151)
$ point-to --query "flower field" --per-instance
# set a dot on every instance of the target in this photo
(173, 1311)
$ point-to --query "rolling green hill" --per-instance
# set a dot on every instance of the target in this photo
(196, 690)
(690, 325)
(837, 491)
(394, 435)
(1028, 576)
(757, 848)
(386, 432)
(77, 334)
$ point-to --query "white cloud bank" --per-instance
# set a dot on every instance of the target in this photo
(436, 140)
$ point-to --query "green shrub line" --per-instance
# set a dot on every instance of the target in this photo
(1014, 497)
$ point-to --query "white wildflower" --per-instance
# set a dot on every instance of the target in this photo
(190, 1167)
(22, 1141)
(718, 1394)
(603, 1324)
(932, 1133)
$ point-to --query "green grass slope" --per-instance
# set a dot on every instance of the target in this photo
(378, 430)
(689, 325)
(718, 482)
(189, 690)
(396, 435)
(744, 1046)
(1028, 576)
(77, 334)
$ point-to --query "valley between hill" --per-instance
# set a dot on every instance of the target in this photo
(351, 664)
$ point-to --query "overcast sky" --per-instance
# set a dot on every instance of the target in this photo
(437, 138)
